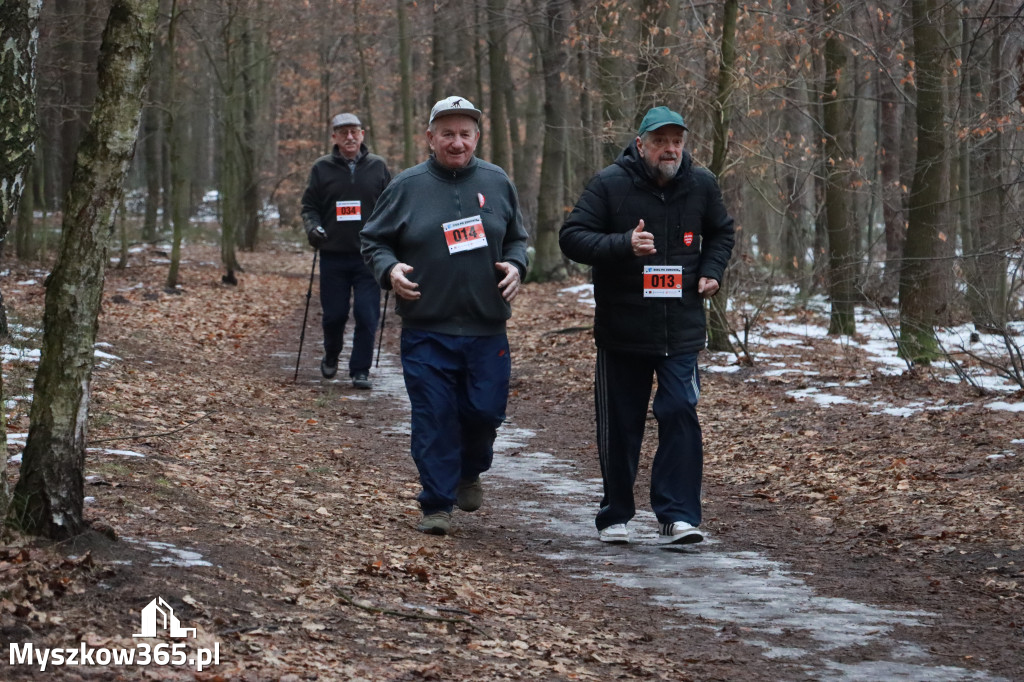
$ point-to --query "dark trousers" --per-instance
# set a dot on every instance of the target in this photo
(622, 388)
(344, 276)
(458, 389)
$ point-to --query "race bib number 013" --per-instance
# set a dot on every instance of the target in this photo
(348, 210)
(465, 235)
(663, 281)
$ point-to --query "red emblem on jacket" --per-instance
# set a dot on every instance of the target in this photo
(481, 198)
(688, 238)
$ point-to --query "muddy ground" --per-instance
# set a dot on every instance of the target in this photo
(297, 500)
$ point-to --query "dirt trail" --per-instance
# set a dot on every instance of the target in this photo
(297, 502)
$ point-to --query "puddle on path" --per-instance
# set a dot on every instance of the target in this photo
(719, 586)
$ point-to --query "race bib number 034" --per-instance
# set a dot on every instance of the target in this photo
(465, 235)
(663, 281)
(348, 210)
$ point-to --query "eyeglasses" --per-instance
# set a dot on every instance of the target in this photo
(347, 132)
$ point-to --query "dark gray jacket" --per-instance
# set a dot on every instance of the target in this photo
(691, 228)
(459, 291)
(334, 178)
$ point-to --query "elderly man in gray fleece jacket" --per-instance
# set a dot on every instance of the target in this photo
(447, 236)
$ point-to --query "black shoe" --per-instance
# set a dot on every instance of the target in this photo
(329, 366)
(361, 380)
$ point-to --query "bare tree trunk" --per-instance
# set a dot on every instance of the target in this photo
(917, 277)
(366, 80)
(616, 114)
(253, 89)
(48, 498)
(841, 229)
(990, 311)
(405, 69)
(24, 242)
(892, 186)
(177, 135)
(549, 264)
(438, 37)
(496, 62)
(19, 40)
(718, 323)
(151, 168)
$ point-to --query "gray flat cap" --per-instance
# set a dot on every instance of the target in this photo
(345, 120)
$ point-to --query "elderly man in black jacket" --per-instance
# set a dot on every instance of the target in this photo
(341, 194)
(658, 236)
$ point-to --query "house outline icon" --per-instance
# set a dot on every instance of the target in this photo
(170, 621)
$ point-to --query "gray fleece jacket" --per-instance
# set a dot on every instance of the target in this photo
(454, 267)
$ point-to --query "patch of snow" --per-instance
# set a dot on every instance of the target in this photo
(108, 451)
(1005, 406)
(817, 396)
(720, 369)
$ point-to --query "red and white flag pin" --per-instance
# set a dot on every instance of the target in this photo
(481, 198)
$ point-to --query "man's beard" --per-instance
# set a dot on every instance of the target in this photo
(663, 170)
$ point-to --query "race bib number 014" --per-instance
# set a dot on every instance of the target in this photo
(465, 235)
(663, 281)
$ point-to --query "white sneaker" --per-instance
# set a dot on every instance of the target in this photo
(679, 533)
(616, 534)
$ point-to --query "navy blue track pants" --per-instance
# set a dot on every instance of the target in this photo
(458, 390)
(344, 276)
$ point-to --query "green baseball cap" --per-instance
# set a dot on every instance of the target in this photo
(658, 117)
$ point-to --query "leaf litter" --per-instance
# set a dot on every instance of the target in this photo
(299, 493)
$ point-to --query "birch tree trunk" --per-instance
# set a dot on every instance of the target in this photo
(19, 39)
(48, 498)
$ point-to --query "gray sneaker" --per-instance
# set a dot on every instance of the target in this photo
(438, 523)
(361, 380)
(469, 495)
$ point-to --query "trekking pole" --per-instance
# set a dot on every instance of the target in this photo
(383, 319)
(309, 294)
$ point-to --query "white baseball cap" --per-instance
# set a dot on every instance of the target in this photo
(454, 105)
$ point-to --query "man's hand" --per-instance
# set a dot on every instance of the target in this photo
(642, 242)
(317, 237)
(707, 287)
(404, 287)
(509, 285)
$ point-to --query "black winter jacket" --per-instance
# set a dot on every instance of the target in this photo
(691, 228)
(333, 179)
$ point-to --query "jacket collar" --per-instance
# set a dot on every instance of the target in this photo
(360, 155)
(451, 173)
